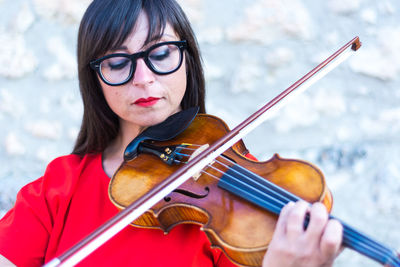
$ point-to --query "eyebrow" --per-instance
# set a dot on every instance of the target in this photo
(124, 47)
(118, 48)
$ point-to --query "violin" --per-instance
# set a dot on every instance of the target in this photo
(232, 195)
(236, 200)
(192, 169)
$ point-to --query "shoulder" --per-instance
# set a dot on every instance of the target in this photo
(69, 161)
(44, 204)
(72, 163)
(63, 173)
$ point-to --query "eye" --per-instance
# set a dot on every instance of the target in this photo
(160, 53)
(116, 63)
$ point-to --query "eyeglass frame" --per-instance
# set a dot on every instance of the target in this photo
(95, 64)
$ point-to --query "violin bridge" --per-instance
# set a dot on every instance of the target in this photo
(168, 154)
(195, 153)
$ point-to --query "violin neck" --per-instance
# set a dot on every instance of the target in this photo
(368, 247)
(259, 191)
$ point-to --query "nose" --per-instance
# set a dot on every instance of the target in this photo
(142, 75)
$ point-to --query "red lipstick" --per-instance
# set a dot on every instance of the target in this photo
(147, 102)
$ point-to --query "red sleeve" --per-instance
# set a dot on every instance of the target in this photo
(26, 229)
(21, 242)
(223, 261)
(250, 156)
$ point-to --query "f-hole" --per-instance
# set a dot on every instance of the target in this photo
(189, 194)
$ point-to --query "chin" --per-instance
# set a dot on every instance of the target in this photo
(150, 121)
(151, 117)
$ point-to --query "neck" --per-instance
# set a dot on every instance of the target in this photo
(113, 154)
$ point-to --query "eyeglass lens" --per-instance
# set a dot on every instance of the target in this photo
(162, 59)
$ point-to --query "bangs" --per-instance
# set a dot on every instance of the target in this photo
(158, 21)
(109, 23)
(121, 25)
(157, 25)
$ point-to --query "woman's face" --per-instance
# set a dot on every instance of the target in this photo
(148, 98)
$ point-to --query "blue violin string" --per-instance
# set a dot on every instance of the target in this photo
(261, 192)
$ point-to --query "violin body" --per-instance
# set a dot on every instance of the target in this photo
(241, 229)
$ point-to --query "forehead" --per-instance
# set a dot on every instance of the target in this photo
(145, 32)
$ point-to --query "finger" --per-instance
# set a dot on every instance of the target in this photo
(318, 220)
(331, 239)
(295, 220)
(280, 228)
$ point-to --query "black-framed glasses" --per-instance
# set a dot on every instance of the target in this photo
(162, 58)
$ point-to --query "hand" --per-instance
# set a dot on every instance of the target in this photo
(291, 245)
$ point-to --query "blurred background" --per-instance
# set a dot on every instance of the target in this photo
(348, 124)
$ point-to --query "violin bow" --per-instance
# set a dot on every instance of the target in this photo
(156, 194)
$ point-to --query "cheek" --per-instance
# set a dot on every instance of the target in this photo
(109, 95)
(180, 84)
(116, 94)
(112, 97)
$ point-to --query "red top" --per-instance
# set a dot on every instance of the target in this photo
(56, 211)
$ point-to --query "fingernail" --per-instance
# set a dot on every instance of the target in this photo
(290, 204)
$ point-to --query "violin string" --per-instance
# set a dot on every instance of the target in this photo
(361, 247)
(356, 240)
(350, 234)
(284, 195)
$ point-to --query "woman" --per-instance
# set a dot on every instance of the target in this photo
(124, 91)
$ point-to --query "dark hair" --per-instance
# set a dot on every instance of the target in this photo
(105, 25)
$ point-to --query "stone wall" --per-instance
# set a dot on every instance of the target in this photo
(348, 123)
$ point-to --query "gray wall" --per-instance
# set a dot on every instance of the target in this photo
(347, 123)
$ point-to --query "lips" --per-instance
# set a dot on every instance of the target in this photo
(146, 102)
